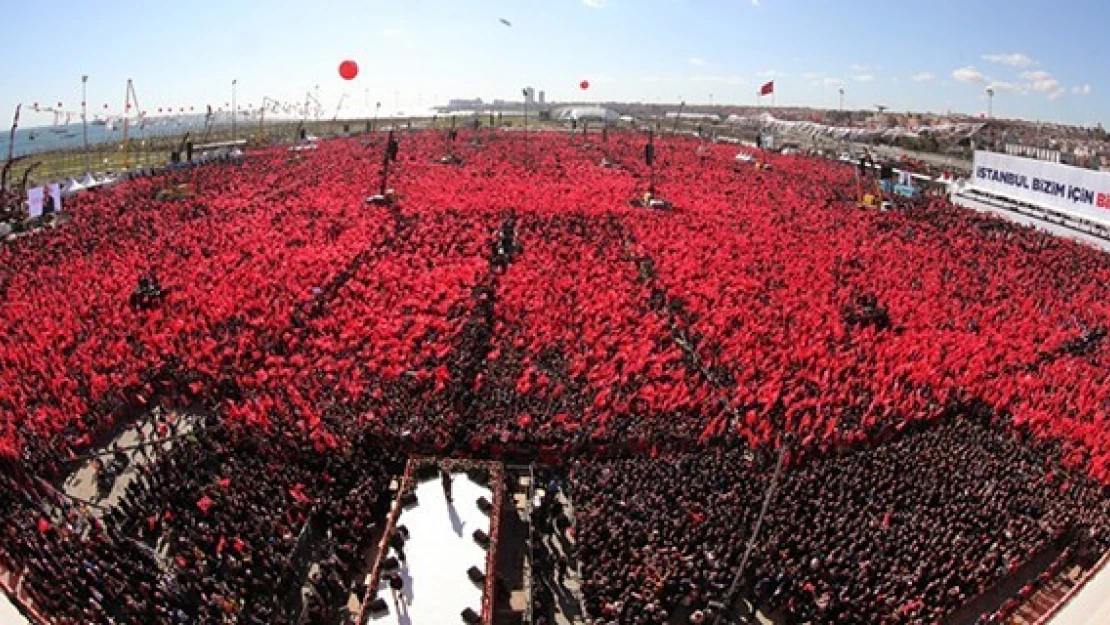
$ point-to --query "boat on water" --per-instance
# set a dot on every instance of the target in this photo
(99, 122)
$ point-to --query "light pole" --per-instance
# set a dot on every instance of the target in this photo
(990, 102)
(85, 120)
(524, 92)
(234, 111)
(842, 99)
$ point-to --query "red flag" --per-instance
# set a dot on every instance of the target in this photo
(768, 88)
(204, 503)
(44, 525)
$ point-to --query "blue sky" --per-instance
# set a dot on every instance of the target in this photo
(1044, 59)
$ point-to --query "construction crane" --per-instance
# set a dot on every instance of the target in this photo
(275, 107)
(129, 98)
(339, 106)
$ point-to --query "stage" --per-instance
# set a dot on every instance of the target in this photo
(440, 550)
(9, 614)
(1091, 603)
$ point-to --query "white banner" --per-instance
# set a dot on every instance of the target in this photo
(1081, 193)
(56, 195)
(40, 198)
(35, 197)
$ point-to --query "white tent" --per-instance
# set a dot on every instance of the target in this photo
(586, 113)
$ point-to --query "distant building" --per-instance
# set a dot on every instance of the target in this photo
(542, 98)
(1041, 154)
(463, 103)
(529, 95)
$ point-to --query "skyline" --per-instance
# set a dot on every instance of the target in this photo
(932, 56)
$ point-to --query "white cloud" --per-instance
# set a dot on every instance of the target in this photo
(1081, 89)
(1008, 87)
(1038, 74)
(767, 72)
(1049, 85)
(831, 82)
(651, 78)
(695, 60)
(755, 3)
(970, 74)
(731, 80)
(1033, 81)
(1015, 59)
(594, 4)
(922, 77)
(811, 75)
(864, 78)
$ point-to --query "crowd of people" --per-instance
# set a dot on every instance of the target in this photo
(907, 532)
(222, 527)
(514, 305)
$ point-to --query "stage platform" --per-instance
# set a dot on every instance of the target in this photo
(9, 614)
(440, 550)
(1091, 603)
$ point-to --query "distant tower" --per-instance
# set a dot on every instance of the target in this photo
(542, 97)
(529, 95)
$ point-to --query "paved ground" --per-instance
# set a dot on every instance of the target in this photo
(82, 484)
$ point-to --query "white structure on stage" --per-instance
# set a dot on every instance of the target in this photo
(9, 614)
(440, 550)
(1091, 603)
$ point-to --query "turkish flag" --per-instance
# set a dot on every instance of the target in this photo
(768, 88)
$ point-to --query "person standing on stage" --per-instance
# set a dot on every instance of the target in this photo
(396, 585)
(398, 543)
(446, 476)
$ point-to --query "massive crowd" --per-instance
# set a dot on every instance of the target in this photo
(905, 532)
(515, 306)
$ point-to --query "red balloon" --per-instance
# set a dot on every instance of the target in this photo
(585, 84)
(348, 70)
